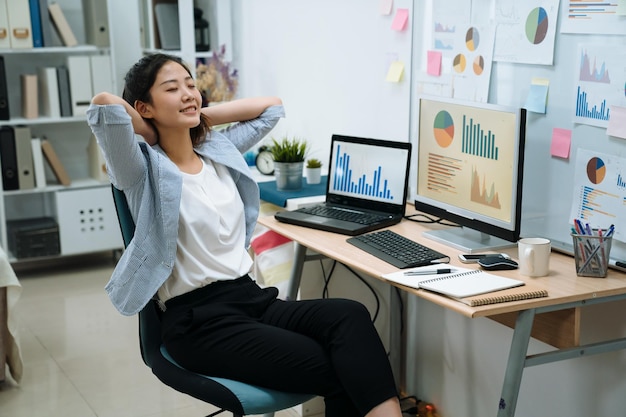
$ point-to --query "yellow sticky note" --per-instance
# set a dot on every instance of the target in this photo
(396, 70)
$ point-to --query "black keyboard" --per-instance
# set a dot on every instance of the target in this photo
(397, 249)
(338, 213)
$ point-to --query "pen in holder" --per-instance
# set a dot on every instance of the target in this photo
(591, 253)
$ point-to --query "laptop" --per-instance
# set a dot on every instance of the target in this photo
(366, 190)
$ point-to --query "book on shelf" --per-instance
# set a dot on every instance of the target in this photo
(38, 164)
(30, 96)
(61, 25)
(65, 101)
(49, 92)
(35, 23)
(54, 162)
(97, 164)
(474, 287)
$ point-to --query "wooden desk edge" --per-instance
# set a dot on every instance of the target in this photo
(558, 328)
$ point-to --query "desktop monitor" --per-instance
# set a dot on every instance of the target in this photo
(470, 159)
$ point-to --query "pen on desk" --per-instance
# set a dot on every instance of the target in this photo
(430, 271)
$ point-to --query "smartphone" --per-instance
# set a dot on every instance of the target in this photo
(470, 258)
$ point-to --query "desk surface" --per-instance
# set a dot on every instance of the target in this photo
(562, 284)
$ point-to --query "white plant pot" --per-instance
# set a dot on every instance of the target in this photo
(313, 175)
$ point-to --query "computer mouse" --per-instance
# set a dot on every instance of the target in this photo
(497, 262)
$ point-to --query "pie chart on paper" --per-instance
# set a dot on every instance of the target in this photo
(472, 39)
(537, 25)
(596, 170)
(443, 128)
(479, 65)
(459, 63)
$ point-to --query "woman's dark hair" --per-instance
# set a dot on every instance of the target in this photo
(140, 78)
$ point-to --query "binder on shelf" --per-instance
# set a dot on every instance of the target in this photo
(97, 164)
(65, 96)
(35, 23)
(79, 69)
(101, 74)
(166, 15)
(49, 92)
(4, 92)
(8, 159)
(60, 24)
(20, 31)
(30, 99)
(96, 23)
(38, 164)
(5, 40)
(47, 33)
(54, 162)
(24, 156)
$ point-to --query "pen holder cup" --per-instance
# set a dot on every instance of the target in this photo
(591, 254)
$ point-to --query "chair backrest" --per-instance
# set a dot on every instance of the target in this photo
(149, 320)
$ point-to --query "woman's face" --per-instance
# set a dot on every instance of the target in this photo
(176, 102)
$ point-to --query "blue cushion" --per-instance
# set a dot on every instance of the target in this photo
(253, 399)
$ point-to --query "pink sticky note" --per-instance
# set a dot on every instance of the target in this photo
(561, 142)
(385, 7)
(434, 63)
(399, 22)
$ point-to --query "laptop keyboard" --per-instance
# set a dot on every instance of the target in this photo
(397, 249)
(342, 214)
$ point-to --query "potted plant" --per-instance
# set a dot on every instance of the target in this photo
(289, 155)
(313, 171)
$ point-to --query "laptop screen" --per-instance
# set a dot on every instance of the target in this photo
(371, 170)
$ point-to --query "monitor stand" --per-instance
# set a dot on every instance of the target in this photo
(468, 240)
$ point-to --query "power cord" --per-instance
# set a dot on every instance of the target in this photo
(327, 278)
(429, 220)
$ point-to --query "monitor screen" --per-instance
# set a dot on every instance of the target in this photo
(470, 160)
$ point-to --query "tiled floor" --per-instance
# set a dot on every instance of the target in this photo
(81, 357)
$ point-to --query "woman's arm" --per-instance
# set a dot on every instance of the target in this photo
(140, 126)
(239, 110)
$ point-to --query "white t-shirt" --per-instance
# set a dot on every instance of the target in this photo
(211, 232)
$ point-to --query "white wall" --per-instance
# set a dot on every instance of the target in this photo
(326, 59)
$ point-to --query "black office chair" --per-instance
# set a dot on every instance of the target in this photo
(228, 395)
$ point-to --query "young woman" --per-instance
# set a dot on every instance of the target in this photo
(195, 207)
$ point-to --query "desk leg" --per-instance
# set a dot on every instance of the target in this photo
(296, 271)
(517, 363)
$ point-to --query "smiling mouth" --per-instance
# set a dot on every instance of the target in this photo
(191, 109)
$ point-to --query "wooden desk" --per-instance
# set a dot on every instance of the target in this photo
(554, 319)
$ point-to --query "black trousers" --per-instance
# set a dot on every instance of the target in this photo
(237, 330)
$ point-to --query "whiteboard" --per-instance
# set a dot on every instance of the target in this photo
(328, 61)
(548, 181)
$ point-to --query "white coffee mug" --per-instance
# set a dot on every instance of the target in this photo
(534, 256)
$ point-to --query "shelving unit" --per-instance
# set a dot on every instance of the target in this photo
(84, 210)
(216, 12)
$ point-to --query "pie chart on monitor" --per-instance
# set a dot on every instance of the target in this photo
(443, 129)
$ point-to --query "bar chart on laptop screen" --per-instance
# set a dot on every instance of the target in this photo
(360, 171)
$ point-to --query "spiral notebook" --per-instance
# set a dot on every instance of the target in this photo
(473, 287)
